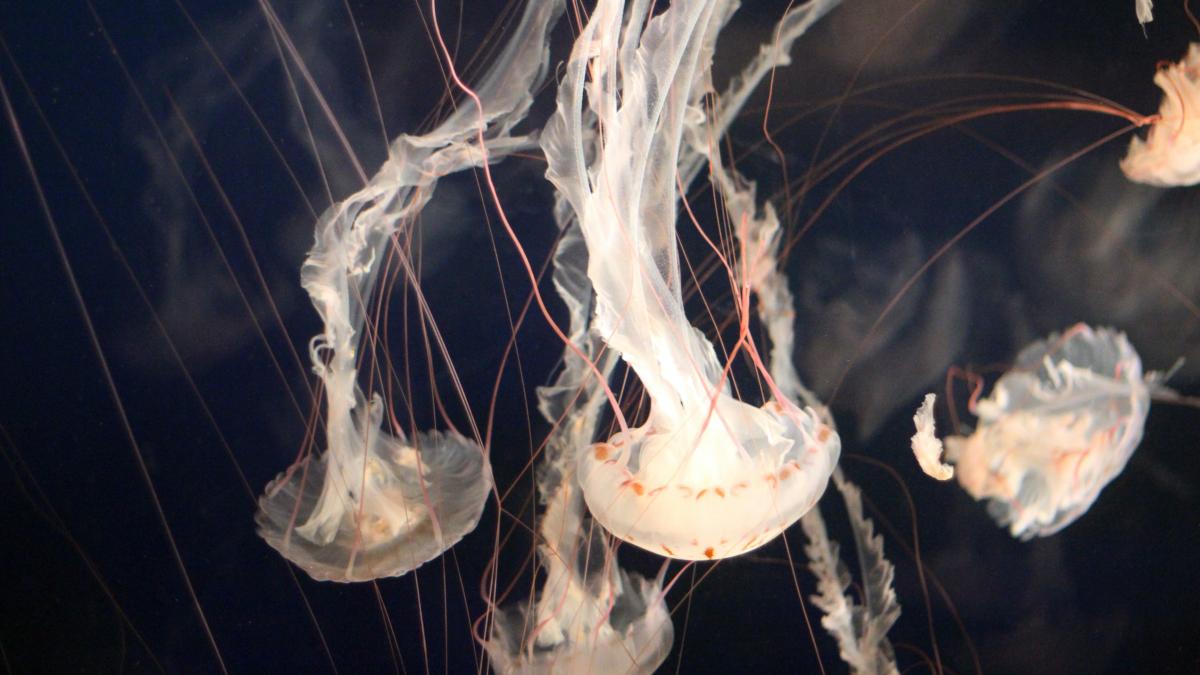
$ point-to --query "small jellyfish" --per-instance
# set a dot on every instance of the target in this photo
(1170, 154)
(706, 476)
(591, 616)
(1056, 429)
(1145, 11)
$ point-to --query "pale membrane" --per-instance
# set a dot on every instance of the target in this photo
(926, 445)
(707, 476)
(1170, 154)
(1056, 429)
(374, 504)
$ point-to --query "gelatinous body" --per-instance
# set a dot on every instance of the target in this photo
(372, 505)
(707, 476)
(379, 511)
(1056, 429)
(591, 616)
(1170, 154)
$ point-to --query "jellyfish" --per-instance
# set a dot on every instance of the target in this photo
(707, 476)
(1057, 428)
(374, 504)
(926, 446)
(546, 607)
(1170, 154)
(590, 615)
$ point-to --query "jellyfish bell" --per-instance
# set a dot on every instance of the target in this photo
(714, 485)
(379, 506)
(1057, 428)
(1170, 154)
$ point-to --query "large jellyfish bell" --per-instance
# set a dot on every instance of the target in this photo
(715, 482)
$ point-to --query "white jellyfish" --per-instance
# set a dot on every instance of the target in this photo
(374, 504)
(707, 476)
(590, 616)
(926, 446)
(1057, 428)
(1170, 154)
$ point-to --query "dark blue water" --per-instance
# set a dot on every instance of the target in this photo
(1115, 592)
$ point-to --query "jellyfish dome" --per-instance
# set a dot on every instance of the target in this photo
(381, 509)
(707, 475)
(1057, 428)
(1170, 154)
(710, 486)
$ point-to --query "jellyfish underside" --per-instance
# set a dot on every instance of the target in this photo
(375, 506)
(719, 485)
(1056, 429)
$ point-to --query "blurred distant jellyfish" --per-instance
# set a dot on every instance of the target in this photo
(1145, 11)
(707, 475)
(926, 445)
(375, 504)
(1170, 154)
(1057, 428)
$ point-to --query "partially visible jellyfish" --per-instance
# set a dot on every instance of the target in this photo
(926, 446)
(1170, 154)
(590, 615)
(1057, 428)
(707, 476)
(860, 627)
(375, 505)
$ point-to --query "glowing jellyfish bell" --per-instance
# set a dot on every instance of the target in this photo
(1170, 154)
(1056, 429)
(706, 476)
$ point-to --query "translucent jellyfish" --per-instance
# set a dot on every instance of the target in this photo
(707, 476)
(1055, 430)
(417, 499)
(374, 505)
(590, 616)
(926, 446)
(1170, 154)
